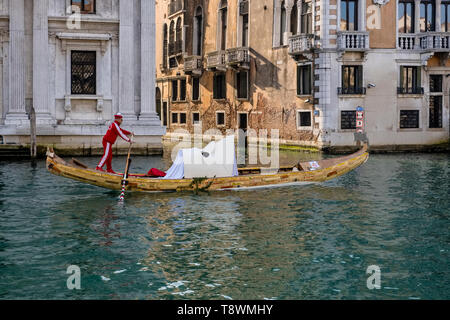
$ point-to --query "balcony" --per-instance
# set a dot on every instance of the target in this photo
(353, 41)
(193, 65)
(216, 61)
(300, 44)
(175, 6)
(414, 90)
(425, 42)
(351, 91)
(407, 42)
(238, 58)
(435, 41)
(176, 48)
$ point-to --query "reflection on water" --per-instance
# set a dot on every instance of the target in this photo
(308, 242)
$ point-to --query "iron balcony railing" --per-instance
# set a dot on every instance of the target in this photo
(353, 41)
(175, 6)
(301, 43)
(413, 90)
(193, 65)
(351, 90)
(429, 41)
(238, 57)
(216, 60)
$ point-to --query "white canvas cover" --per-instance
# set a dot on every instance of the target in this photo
(217, 159)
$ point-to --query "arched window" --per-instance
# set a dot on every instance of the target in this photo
(179, 30)
(294, 18)
(243, 23)
(172, 32)
(306, 17)
(223, 14)
(179, 40)
(172, 38)
(165, 43)
(198, 31)
(282, 23)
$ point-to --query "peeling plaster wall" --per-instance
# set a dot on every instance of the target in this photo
(272, 102)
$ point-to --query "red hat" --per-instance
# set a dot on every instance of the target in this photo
(118, 116)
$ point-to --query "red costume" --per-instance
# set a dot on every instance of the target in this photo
(109, 139)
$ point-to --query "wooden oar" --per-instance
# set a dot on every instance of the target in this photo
(125, 175)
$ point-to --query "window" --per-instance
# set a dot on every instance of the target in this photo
(179, 40)
(409, 119)
(406, 16)
(348, 120)
(410, 80)
(174, 117)
(294, 19)
(182, 117)
(243, 13)
(304, 119)
(165, 111)
(220, 86)
(220, 118)
(158, 102)
(223, 24)
(173, 62)
(86, 6)
(165, 44)
(198, 31)
(352, 79)
(435, 112)
(172, 38)
(195, 89)
(445, 16)
(306, 26)
(242, 84)
(304, 80)
(436, 83)
(349, 15)
(84, 72)
(174, 90)
(195, 117)
(183, 90)
(427, 15)
(283, 23)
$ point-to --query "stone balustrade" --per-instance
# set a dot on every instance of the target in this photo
(353, 41)
(301, 43)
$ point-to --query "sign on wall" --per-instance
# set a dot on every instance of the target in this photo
(360, 120)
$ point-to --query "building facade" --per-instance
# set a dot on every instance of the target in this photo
(304, 67)
(78, 62)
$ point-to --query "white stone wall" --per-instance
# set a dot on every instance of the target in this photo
(382, 104)
(35, 67)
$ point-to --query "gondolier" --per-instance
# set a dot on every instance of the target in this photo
(109, 139)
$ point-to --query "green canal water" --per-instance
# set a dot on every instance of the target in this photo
(305, 242)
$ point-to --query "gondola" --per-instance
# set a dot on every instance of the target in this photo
(248, 178)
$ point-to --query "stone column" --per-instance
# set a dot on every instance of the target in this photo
(417, 16)
(299, 17)
(438, 16)
(148, 70)
(16, 112)
(40, 60)
(362, 15)
(126, 60)
(277, 24)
